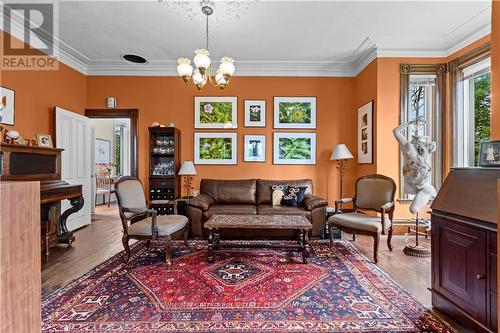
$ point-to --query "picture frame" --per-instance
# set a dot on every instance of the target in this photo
(295, 112)
(489, 154)
(254, 148)
(294, 148)
(215, 112)
(44, 140)
(216, 148)
(365, 133)
(255, 113)
(102, 151)
(8, 99)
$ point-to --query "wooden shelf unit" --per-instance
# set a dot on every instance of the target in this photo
(164, 164)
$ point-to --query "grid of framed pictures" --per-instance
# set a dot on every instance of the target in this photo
(222, 113)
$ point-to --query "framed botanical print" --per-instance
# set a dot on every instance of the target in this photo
(215, 148)
(7, 98)
(294, 148)
(102, 151)
(365, 134)
(294, 112)
(255, 113)
(216, 112)
(255, 148)
(44, 140)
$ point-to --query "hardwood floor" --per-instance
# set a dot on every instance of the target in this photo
(102, 239)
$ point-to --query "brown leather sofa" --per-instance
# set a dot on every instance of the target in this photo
(251, 197)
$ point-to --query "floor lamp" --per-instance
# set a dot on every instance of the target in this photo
(341, 154)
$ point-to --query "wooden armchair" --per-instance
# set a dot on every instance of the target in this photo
(373, 193)
(104, 186)
(142, 223)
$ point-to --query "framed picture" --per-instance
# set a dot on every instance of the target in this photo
(294, 148)
(294, 112)
(215, 148)
(489, 154)
(102, 151)
(44, 140)
(255, 113)
(365, 134)
(216, 112)
(7, 99)
(255, 148)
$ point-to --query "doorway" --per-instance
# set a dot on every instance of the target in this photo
(114, 154)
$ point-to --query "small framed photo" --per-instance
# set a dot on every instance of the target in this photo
(216, 112)
(7, 98)
(255, 113)
(255, 148)
(295, 112)
(489, 154)
(215, 148)
(365, 134)
(294, 148)
(44, 140)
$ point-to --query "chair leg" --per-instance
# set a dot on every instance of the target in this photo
(186, 233)
(376, 239)
(148, 244)
(109, 199)
(353, 237)
(389, 239)
(127, 248)
(168, 250)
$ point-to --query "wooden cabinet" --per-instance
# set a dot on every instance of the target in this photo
(464, 248)
(164, 163)
(20, 271)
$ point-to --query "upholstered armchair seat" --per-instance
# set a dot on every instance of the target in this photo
(360, 221)
(166, 225)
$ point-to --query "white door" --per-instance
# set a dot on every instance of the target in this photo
(73, 135)
(92, 169)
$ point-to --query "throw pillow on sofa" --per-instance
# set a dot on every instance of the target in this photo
(299, 191)
(289, 200)
(277, 193)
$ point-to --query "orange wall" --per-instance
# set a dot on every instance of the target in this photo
(167, 99)
(366, 91)
(495, 71)
(36, 94)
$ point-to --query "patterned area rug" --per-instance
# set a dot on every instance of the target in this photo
(244, 290)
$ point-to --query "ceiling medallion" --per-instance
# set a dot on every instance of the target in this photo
(201, 74)
(226, 10)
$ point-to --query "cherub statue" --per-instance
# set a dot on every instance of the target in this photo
(416, 169)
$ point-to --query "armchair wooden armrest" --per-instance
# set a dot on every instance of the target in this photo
(138, 211)
(340, 201)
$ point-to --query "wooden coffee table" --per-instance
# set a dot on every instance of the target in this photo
(290, 222)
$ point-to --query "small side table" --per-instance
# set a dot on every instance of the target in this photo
(337, 233)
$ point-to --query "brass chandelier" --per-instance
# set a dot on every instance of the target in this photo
(201, 74)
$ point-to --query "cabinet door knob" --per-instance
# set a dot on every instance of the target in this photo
(480, 276)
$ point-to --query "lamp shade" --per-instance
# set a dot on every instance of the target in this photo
(187, 169)
(341, 152)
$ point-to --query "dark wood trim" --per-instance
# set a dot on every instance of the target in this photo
(131, 114)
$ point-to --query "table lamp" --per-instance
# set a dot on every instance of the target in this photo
(341, 154)
(188, 171)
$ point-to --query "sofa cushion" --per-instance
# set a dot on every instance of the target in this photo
(273, 210)
(264, 185)
(237, 192)
(230, 210)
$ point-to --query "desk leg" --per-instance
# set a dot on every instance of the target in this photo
(305, 247)
(211, 246)
(216, 239)
(64, 236)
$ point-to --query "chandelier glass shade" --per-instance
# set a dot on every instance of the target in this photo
(200, 73)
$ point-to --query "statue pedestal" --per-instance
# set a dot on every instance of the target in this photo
(414, 247)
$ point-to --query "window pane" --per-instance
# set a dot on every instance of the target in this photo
(482, 111)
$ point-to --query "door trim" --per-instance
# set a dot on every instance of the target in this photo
(131, 114)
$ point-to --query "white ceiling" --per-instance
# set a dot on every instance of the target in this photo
(330, 38)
